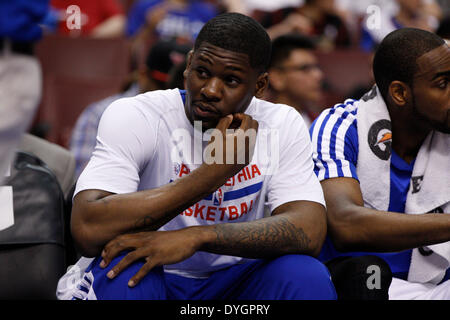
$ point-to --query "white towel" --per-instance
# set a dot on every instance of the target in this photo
(429, 187)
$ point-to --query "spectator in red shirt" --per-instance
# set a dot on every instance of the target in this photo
(99, 18)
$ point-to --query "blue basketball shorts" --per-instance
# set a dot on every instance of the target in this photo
(288, 277)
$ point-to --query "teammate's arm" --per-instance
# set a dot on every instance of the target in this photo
(353, 227)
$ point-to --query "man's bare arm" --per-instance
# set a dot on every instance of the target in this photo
(355, 228)
(295, 227)
(99, 216)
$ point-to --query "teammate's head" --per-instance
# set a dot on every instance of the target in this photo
(412, 70)
(238, 33)
(396, 56)
(294, 74)
(226, 69)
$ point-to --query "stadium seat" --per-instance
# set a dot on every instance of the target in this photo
(77, 72)
(345, 70)
(84, 57)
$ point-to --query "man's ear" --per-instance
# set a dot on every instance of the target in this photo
(399, 92)
(261, 84)
(190, 54)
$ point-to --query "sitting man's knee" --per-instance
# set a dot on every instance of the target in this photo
(306, 273)
(151, 287)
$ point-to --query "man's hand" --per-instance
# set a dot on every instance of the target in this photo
(155, 247)
(238, 133)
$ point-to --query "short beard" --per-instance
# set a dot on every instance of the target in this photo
(425, 123)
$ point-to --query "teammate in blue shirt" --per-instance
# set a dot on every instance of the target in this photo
(365, 204)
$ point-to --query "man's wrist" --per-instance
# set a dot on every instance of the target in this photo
(202, 236)
(215, 174)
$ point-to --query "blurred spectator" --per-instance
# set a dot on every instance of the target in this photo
(20, 72)
(360, 7)
(421, 14)
(444, 29)
(248, 6)
(99, 18)
(318, 18)
(294, 75)
(445, 6)
(176, 76)
(163, 56)
(169, 18)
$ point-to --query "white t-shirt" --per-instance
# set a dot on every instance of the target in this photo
(143, 142)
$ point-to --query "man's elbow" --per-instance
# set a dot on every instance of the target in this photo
(316, 247)
(344, 238)
(84, 235)
(84, 242)
(315, 236)
(318, 240)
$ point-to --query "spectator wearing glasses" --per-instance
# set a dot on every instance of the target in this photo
(295, 76)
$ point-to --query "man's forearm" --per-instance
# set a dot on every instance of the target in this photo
(365, 229)
(353, 227)
(264, 238)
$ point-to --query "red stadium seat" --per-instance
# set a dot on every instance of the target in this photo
(344, 71)
(77, 72)
(65, 97)
(84, 57)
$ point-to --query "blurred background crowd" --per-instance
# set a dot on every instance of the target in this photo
(97, 49)
(92, 50)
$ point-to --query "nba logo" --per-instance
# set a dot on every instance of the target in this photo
(218, 195)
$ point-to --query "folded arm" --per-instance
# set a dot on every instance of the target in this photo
(355, 228)
(99, 216)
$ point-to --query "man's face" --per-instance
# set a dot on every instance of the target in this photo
(218, 83)
(300, 78)
(431, 89)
